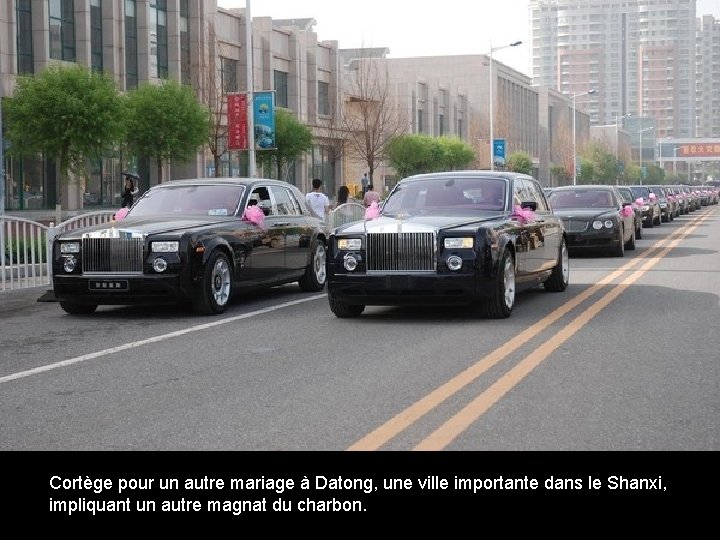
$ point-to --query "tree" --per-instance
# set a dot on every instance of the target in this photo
(291, 139)
(418, 153)
(520, 162)
(67, 113)
(605, 168)
(371, 118)
(456, 154)
(165, 121)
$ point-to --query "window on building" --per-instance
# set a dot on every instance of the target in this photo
(131, 55)
(159, 44)
(229, 75)
(62, 30)
(96, 45)
(24, 37)
(184, 43)
(323, 98)
(281, 89)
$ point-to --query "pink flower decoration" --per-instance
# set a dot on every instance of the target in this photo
(372, 211)
(524, 215)
(627, 211)
(120, 214)
(653, 196)
(640, 201)
(255, 215)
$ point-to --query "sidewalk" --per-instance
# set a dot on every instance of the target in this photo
(11, 300)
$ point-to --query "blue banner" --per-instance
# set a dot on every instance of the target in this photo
(264, 120)
(499, 151)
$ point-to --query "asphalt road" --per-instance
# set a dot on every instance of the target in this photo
(625, 359)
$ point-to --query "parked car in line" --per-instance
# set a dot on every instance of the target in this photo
(627, 197)
(681, 200)
(451, 238)
(595, 218)
(667, 204)
(193, 241)
(651, 207)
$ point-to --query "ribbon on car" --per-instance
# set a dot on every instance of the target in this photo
(653, 196)
(524, 215)
(255, 215)
(639, 201)
(627, 211)
(120, 214)
(372, 211)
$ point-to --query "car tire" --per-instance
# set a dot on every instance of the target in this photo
(216, 285)
(343, 310)
(78, 309)
(619, 250)
(560, 276)
(630, 244)
(501, 304)
(316, 272)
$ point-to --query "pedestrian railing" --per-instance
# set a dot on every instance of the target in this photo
(346, 213)
(26, 248)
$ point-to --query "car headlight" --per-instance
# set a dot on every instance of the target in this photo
(597, 225)
(609, 223)
(70, 247)
(349, 244)
(458, 243)
(165, 247)
(645, 207)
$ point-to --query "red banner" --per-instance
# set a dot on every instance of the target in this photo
(237, 122)
(700, 149)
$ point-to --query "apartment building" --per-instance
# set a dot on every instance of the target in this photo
(707, 90)
(193, 41)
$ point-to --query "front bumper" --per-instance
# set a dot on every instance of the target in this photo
(589, 240)
(140, 289)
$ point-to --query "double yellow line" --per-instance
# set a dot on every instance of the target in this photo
(450, 430)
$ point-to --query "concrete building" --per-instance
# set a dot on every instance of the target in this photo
(638, 54)
(192, 41)
(707, 91)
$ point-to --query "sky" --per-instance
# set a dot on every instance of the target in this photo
(420, 27)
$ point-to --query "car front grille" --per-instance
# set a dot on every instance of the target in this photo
(112, 255)
(575, 225)
(401, 252)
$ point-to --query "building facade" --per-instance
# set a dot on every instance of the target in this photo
(146, 41)
(707, 91)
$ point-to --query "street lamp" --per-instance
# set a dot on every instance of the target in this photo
(492, 136)
(575, 95)
(641, 151)
(675, 151)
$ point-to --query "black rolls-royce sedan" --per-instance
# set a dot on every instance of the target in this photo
(193, 241)
(462, 237)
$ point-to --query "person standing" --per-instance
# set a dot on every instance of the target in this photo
(371, 196)
(317, 200)
(128, 193)
(342, 195)
(364, 183)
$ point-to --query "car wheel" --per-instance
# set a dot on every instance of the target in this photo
(343, 310)
(619, 250)
(658, 221)
(630, 245)
(78, 309)
(316, 272)
(501, 304)
(560, 276)
(216, 285)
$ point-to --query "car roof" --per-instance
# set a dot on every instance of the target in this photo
(221, 181)
(502, 175)
(584, 186)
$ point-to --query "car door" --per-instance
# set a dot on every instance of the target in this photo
(268, 257)
(293, 226)
(550, 228)
(628, 219)
(530, 242)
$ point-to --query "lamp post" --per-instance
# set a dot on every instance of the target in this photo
(492, 135)
(675, 150)
(250, 89)
(641, 151)
(575, 95)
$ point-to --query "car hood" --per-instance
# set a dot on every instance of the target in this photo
(385, 224)
(583, 213)
(143, 226)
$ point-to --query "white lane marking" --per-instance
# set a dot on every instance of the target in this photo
(156, 339)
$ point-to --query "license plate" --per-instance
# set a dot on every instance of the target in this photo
(108, 285)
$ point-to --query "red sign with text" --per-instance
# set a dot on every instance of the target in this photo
(237, 122)
(700, 149)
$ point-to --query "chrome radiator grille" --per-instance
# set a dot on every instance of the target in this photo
(401, 252)
(106, 255)
(575, 225)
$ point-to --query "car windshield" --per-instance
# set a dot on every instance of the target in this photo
(194, 200)
(582, 198)
(640, 191)
(447, 196)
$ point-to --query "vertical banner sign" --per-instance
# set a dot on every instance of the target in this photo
(499, 151)
(264, 118)
(237, 122)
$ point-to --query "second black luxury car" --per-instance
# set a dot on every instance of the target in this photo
(462, 237)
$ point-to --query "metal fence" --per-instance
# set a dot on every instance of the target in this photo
(26, 247)
(346, 213)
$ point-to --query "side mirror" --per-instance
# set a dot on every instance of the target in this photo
(532, 205)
